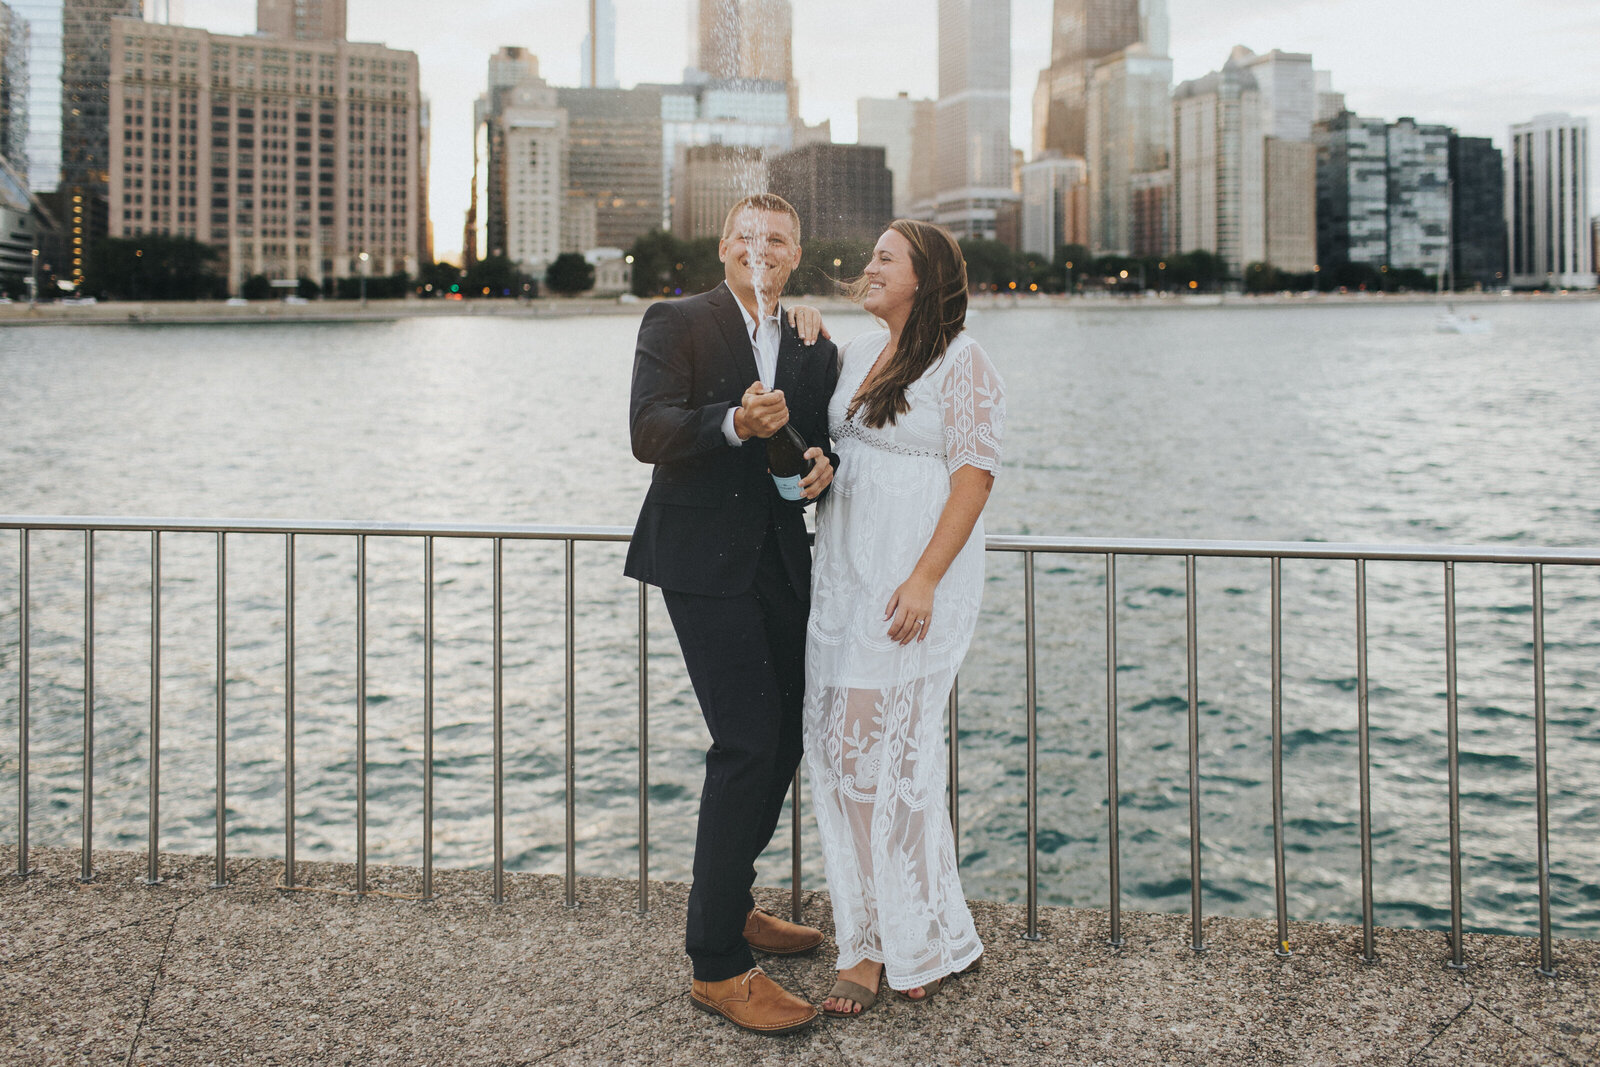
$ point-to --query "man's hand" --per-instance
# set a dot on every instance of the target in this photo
(760, 413)
(821, 476)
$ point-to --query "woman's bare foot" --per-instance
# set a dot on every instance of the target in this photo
(868, 974)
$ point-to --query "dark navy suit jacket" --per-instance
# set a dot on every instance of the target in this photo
(709, 503)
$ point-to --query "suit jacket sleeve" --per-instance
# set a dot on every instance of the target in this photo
(665, 425)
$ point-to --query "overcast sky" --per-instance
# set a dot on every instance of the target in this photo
(1477, 65)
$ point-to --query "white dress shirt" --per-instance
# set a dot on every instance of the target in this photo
(764, 340)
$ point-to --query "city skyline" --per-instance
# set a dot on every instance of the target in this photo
(1423, 64)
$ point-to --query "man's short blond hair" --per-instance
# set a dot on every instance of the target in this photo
(761, 202)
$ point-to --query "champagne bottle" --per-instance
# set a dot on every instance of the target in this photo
(786, 460)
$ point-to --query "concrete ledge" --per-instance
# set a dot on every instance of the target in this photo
(114, 971)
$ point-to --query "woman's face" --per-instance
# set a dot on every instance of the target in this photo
(891, 283)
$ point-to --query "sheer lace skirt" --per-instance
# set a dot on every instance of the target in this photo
(876, 762)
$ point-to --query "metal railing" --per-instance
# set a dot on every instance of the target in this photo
(1028, 547)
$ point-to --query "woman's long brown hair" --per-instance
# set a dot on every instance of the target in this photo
(938, 314)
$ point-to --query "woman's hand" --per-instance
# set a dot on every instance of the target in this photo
(807, 322)
(910, 610)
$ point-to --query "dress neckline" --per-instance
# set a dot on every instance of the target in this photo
(855, 394)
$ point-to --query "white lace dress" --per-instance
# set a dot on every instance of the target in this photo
(874, 709)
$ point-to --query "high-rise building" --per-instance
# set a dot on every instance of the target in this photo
(1477, 213)
(1081, 32)
(708, 180)
(1289, 204)
(1055, 204)
(1594, 241)
(1217, 167)
(1352, 190)
(717, 34)
(1246, 165)
(1383, 194)
(838, 190)
(295, 155)
(1128, 133)
(520, 167)
(18, 237)
(903, 128)
(13, 88)
(599, 57)
(738, 113)
(614, 160)
(43, 18)
(302, 20)
(1286, 95)
(1419, 197)
(85, 122)
(531, 134)
(972, 119)
(766, 46)
(1150, 213)
(1547, 203)
(424, 167)
(484, 234)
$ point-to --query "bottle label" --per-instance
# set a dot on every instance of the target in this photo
(788, 488)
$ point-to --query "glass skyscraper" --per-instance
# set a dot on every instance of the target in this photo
(44, 91)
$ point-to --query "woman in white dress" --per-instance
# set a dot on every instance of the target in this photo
(898, 577)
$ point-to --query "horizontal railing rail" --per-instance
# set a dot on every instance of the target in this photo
(1275, 552)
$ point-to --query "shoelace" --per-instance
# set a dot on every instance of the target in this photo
(751, 973)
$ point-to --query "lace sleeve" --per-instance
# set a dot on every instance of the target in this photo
(974, 411)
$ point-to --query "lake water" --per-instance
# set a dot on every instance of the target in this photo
(1349, 423)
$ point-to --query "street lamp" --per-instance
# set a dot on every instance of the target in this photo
(364, 258)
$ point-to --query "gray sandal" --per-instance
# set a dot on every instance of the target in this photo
(932, 989)
(847, 990)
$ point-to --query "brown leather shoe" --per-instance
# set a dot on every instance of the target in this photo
(767, 933)
(755, 1002)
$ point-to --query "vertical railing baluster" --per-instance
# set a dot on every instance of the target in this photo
(644, 749)
(1547, 966)
(572, 732)
(795, 910)
(288, 711)
(427, 719)
(1452, 740)
(1279, 871)
(86, 871)
(1368, 951)
(221, 878)
(1033, 750)
(953, 786)
(361, 713)
(1196, 942)
(1113, 798)
(153, 847)
(22, 711)
(1279, 864)
(499, 731)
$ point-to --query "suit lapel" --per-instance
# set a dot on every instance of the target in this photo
(790, 356)
(725, 308)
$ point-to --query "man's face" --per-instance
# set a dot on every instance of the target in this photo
(758, 256)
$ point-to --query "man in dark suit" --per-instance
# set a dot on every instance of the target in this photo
(714, 375)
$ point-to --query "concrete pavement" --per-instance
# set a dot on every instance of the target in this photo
(117, 972)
